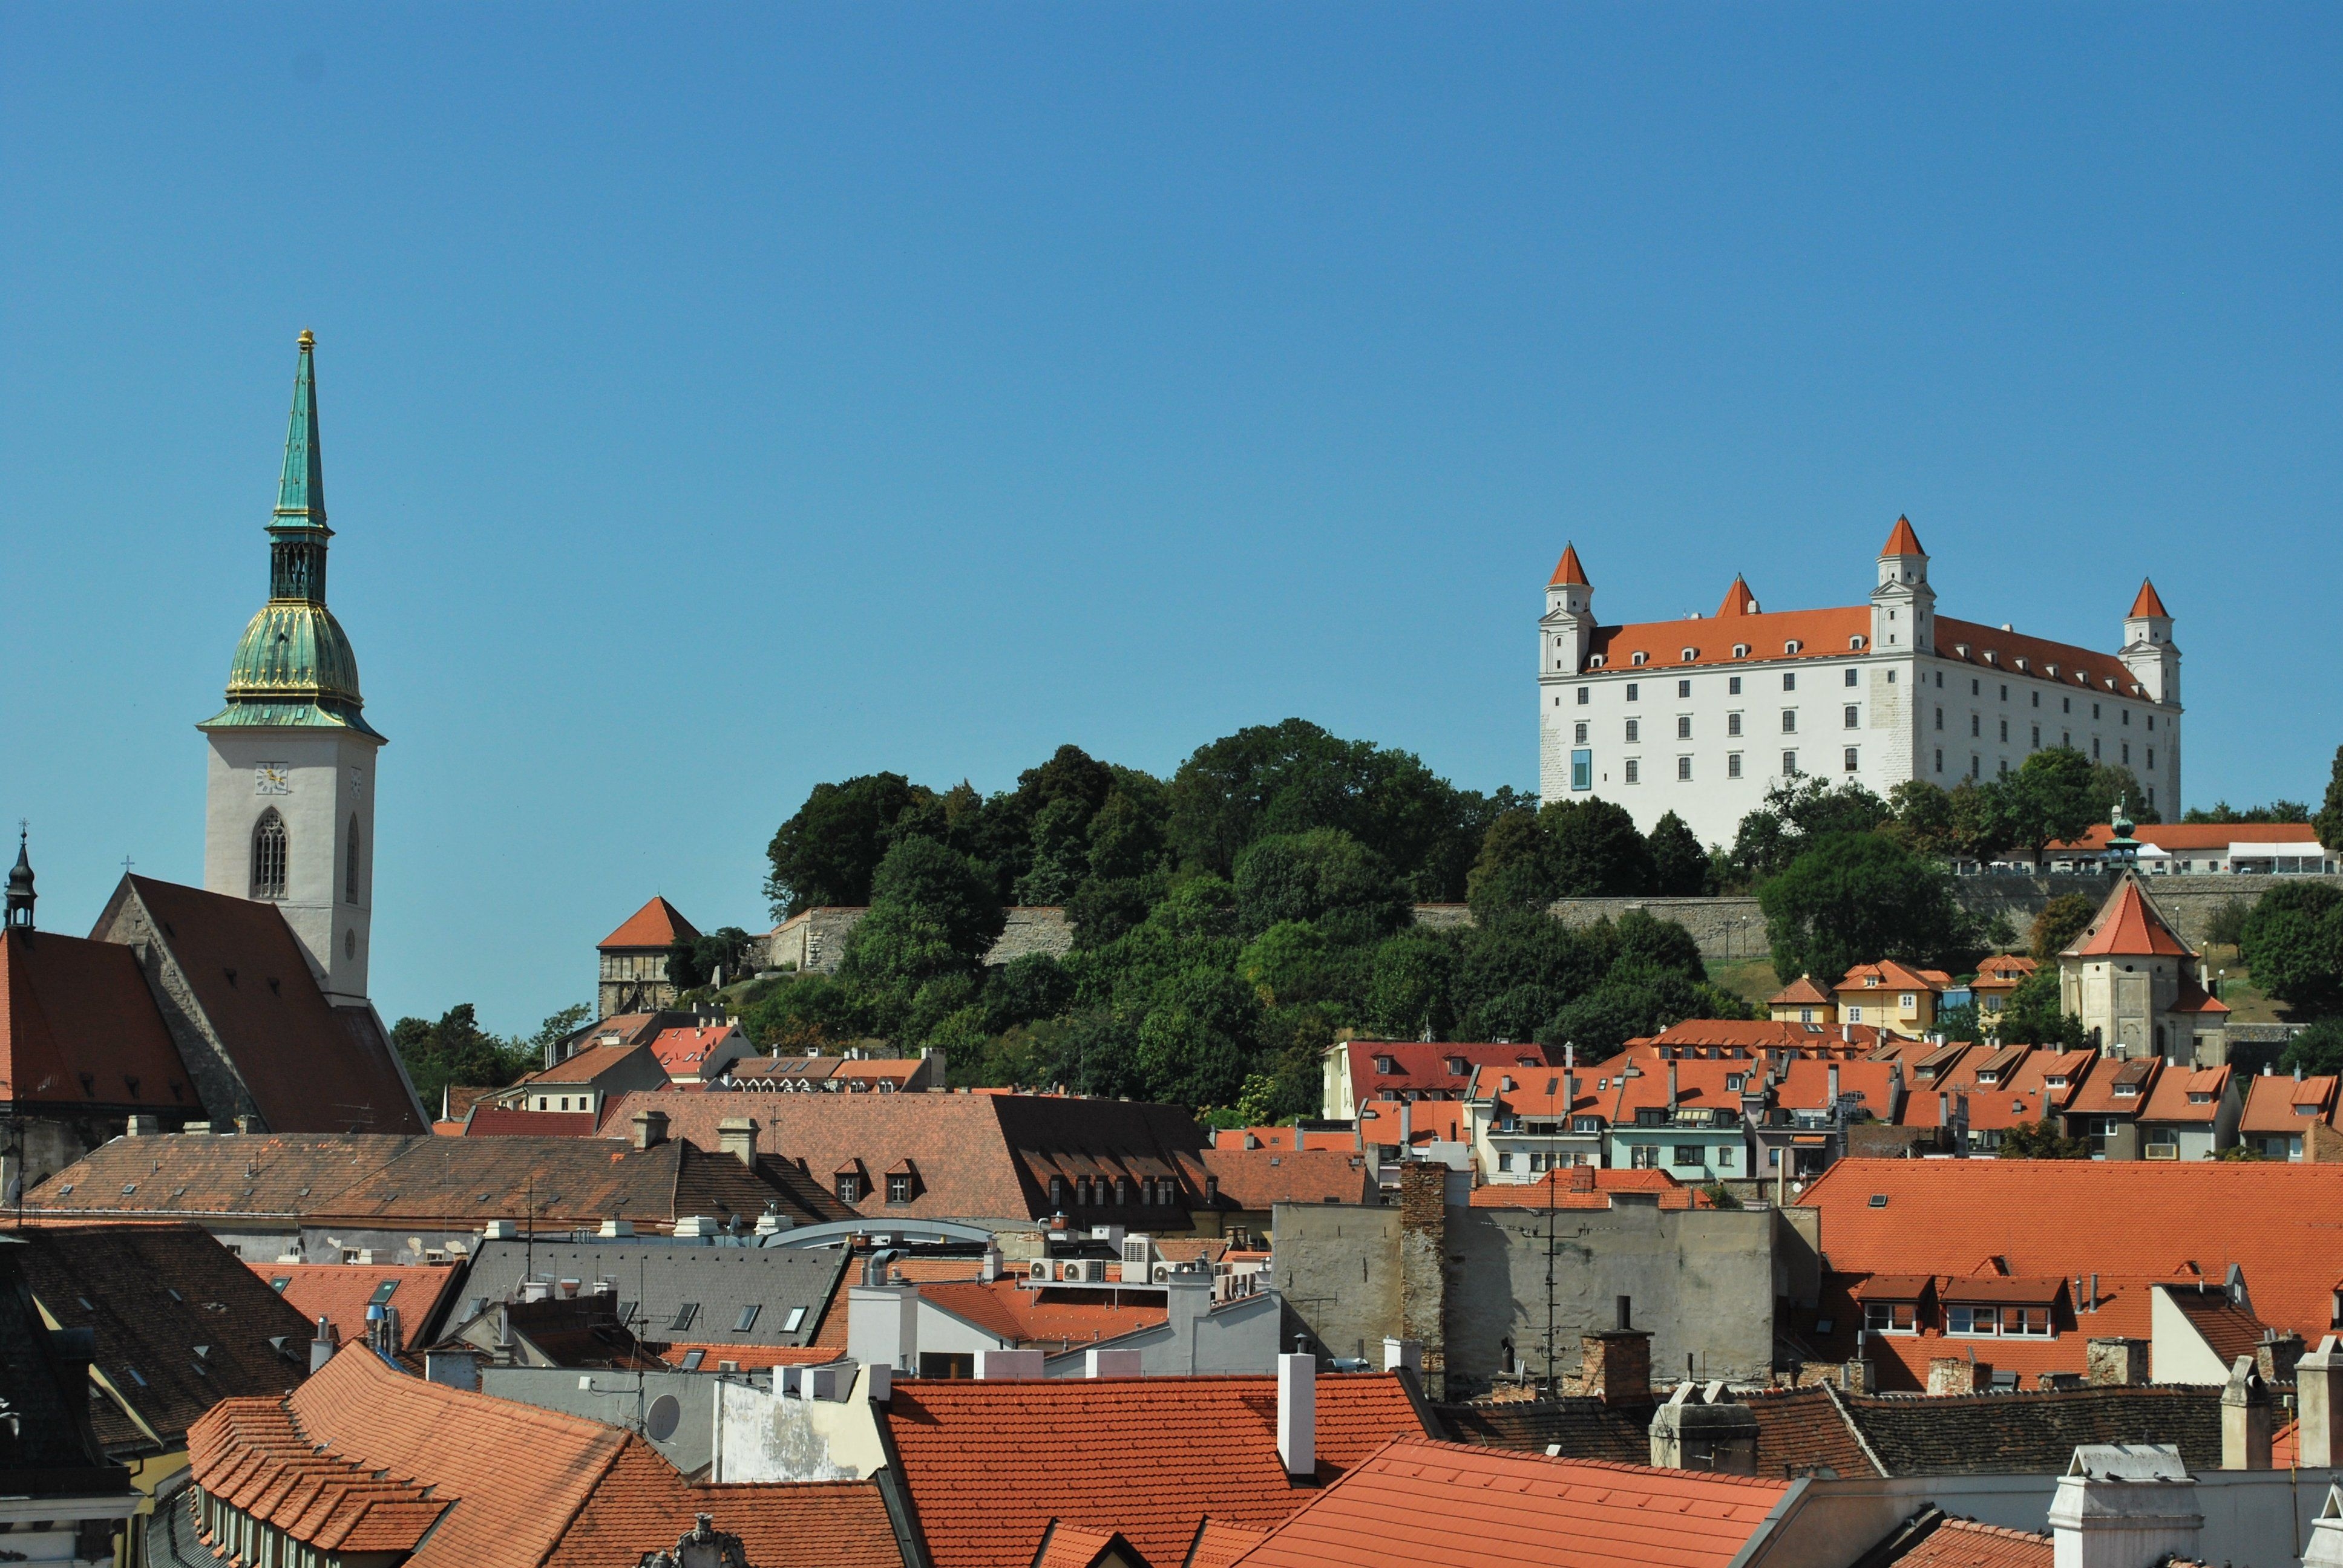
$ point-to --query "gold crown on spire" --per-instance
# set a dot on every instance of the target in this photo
(308, 338)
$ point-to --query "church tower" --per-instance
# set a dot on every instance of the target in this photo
(1566, 631)
(2149, 651)
(289, 792)
(1903, 606)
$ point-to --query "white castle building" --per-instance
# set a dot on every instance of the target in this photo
(1701, 717)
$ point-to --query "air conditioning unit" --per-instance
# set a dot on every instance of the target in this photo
(1081, 1272)
(1162, 1273)
(1138, 1249)
(1037, 1269)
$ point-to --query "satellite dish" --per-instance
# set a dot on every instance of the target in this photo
(661, 1420)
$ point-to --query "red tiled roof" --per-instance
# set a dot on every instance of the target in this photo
(1752, 1034)
(2146, 602)
(339, 1292)
(1582, 1187)
(1220, 1544)
(364, 1458)
(2198, 836)
(1800, 992)
(657, 924)
(1902, 541)
(309, 1067)
(2128, 924)
(1738, 599)
(2124, 1219)
(1259, 1178)
(1966, 1543)
(1567, 571)
(1416, 1500)
(2275, 1103)
(501, 1122)
(1280, 1138)
(585, 1066)
(990, 1464)
(2002, 971)
(690, 1050)
(2015, 653)
(1819, 634)
(2103, 1092)
(2184, 1096)
(1424, 1065)
(1889, 975)
(1007, 1310)
(79, 1027)
(747, 1358)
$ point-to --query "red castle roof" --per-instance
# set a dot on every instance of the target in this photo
(2147, 603)
(1567, 572)
(1902, 541)
(657, 924)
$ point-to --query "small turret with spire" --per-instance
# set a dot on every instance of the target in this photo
(20, 885)
(1566, 633)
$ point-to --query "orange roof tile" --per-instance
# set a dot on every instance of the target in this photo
(1889, 975)
(657, 924)
(1011, 1309)
(1260, 1178)
(1738, 599)
(1567, 571)
(2277, 1104)
(2128, 924)
(1280, 1138)
(79, 1027)
(1966, 1543)
(2120, 1219)
(1800, 992)
(1220, 1544)
(503, 1122)
(2015, 653)
(2185, 1096)
(1582, 1187)
(990, 1464)
(747, 1358)
(2116, 1087)
(339, 1292)
(1746, 1035)
(690, 1050)
(1902, 541)
(1818, 634)
(1070, 1546)
(2147, 602)
(585, 1066)
(1416, 1500)
(2187, 837)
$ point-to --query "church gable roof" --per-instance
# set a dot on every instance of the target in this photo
(306, 1065)
(2129, 925)
(79, 1027)
(657, 924)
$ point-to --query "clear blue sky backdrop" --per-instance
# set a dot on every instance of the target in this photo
(721, 398)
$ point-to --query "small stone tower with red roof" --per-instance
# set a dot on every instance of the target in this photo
(2147, 650)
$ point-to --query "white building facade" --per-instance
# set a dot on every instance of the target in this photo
(1703, 716)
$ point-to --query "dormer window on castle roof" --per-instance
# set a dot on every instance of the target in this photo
(1741, 650)
(1690, 654)
(1639, 659)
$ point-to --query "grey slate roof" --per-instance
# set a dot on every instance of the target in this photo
(655, 1282)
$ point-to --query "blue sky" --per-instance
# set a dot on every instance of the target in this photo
(717, 399)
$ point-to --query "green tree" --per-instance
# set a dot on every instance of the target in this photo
(2034, 1014)
(2317, 1050)
(2051, 798)
(695, 963)
(830, 851)
(2112, 785)
(2062, 920)
(2041, 1140)
(1981, 819)
(1294, 962)
(1924, 819)
(943, 886)
(1680, 867)
(1597, 852)
(1409, 985)
(809, 1012)
(2329, 819)
(1959, 1023)
(1797, 811)
(2293, 942)
(1325, 872)
(2276, 812)
(1515, 868)
(1026, 989)
(455, 1050)
(1857, 898)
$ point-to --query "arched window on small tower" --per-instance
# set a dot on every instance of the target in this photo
(269, 856)
(350, 870)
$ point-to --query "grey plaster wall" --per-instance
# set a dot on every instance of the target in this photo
(1703, 1281)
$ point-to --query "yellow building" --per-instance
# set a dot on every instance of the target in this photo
(1893, 996)
(1803, 1002)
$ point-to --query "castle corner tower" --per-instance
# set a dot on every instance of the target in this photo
(289, 790)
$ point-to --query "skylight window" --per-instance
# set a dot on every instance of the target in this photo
(684, 1315)
(692, 1360)
(748, 1319)
(795, 1321)
(382, 1292)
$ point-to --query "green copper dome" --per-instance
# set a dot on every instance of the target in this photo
(293, 667)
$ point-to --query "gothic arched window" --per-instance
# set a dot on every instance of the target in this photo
(350, 871)
(268, 857)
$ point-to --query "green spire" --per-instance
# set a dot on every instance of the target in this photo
(301, 493)
(295, 669)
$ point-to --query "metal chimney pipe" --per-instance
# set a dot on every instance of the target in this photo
(1623, 1303)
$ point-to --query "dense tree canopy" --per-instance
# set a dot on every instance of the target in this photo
(1227, 924)
(2293, 942)
(1854, 898)
(2329, 822)
(455, 1050)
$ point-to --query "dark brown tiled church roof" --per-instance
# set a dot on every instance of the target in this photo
(79, 1028)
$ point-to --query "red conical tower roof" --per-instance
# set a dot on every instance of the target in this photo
(1568, 573)
(657, 924)
(2147, 603)
(1902, 541)
(1738, 599)
(2129, 926)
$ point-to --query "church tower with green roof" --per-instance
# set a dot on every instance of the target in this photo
(290, 797)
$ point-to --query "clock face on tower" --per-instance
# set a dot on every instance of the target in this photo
(272, 778)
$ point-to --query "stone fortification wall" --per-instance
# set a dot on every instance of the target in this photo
(1735, 928)
(813, 942)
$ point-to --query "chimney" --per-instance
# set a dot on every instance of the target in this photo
(2124, 1503)
(2319, 1398)
(1833, 1107)
(2246, 1419)
(618, 1229)
(1001, 1366)
(1297, 1414)
(1398, 1354)
(453, 1368)
(322, 1348)
(1672, 1085)
(142, 1127)
(882, 1325)
(737, 1136)
(2115, 1362)
(1616, 1367)
(1701, 1429)
(1111, 1363)
(1957, 1374)
(252, 1123)
(2278, 1355)
(651, 1128)
(988, 1268)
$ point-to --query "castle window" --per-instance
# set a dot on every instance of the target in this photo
(2005, 732)
(1940, 719)
(2151, 724)
(1582, 697)
(2151, 757)
(1683, 689)
(1733, 765)
(2065, 705)
(1578, 733)
(1850, 759)
(1792, 645)
(1789, 764)
(350, 870)
(2005, 693)
(2095, 749)
(2038, 737)
(1741, 650)
(1974, 725)
(1683, 726)
(1733, 724)
(1789, 720)
(1634, 770)
(269, 857)
(2126, 753)
(1940, 760)
(1639, 659)
(2127, 716)
(1635, 691)
(1850, 678)
(1790, 680)
(1683, 769)
(1634, 730)
(1732, 685)
(1853, 717)
(2095, 711)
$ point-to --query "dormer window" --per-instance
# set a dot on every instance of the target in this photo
(1457, 1067)
(1892, 1317)
(1690, 654)
(2051, 670)
(2198, 1096)
(1792, 645)
(2056, 1081)
(1505, 1084)
(2127, 1092)
(1741, 650)
(1734, 1080)
(1856, 643)
(1387, 1064)
(1646, 658)
(1598, 661)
